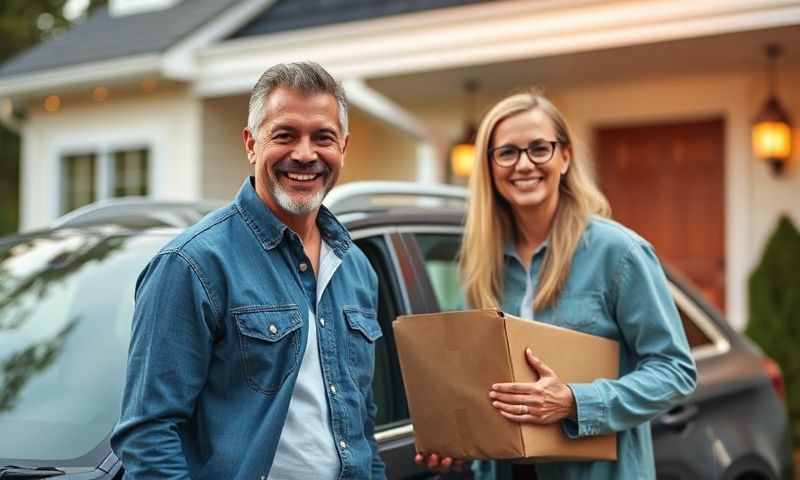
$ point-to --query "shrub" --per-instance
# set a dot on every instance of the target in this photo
(774, 320)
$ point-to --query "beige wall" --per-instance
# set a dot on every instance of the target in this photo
(166, 122)
(223, 159)
(378, 151)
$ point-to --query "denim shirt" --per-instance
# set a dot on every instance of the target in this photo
(615, 289)
(219, 328)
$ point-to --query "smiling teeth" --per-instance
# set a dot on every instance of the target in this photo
(527, 182)
(300, 177)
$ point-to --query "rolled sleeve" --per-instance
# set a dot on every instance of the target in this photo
(591, 411)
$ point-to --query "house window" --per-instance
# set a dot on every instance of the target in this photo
(106, 173)
(79, 181)
(130, 173)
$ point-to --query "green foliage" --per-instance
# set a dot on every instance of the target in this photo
(775, 310)
(23, 23)
(9, 181)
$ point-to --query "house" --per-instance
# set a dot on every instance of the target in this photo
(149, 97)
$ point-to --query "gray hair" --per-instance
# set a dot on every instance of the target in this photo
(308, 78)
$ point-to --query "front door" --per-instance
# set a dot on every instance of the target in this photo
(666, 182)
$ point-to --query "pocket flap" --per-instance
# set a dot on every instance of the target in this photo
(364, 321)
(269, 324)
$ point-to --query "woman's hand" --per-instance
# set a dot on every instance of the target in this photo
(432, 462)
(548, 400)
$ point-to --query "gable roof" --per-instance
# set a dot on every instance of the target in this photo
(103, 37)
(287, 15)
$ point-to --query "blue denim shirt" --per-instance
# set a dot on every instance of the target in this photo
(616, 289)
(219, 328)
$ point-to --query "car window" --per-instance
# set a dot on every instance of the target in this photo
(387, 385)
(65, 313)
(696, 337)
(439, 251)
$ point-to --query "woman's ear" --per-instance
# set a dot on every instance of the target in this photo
(567, 154)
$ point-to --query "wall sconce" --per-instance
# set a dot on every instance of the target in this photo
(462, 154)
(772, 129)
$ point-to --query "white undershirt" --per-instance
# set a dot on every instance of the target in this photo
(306, 448)
(526, 307)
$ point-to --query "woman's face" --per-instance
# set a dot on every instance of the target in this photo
(526, 185)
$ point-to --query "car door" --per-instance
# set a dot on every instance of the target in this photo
(400, 292)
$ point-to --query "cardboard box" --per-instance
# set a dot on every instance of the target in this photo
(450, 361)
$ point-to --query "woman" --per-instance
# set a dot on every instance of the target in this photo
(548, 252)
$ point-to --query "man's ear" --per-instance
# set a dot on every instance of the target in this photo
(345, 143)
(249, 145)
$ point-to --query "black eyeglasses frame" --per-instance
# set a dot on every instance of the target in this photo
(553, 144)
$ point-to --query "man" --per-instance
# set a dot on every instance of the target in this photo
(254, 330)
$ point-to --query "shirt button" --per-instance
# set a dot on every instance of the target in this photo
(333, 389)
(303, 267)
(273, 329)
(322, 322)
(343, 444)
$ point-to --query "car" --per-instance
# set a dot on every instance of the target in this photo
(137, 212)
(66, 302)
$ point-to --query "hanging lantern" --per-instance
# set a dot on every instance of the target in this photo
(772, 129)
(462, 154)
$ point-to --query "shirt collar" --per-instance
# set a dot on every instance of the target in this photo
(270, 230)
(511, 251)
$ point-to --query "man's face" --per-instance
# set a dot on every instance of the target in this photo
(297, 151)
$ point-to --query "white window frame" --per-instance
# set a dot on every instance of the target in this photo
(104, 156)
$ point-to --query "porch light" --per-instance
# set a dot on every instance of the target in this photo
(52, 103)
(100, 94)
(772, 129)
(462, 154)
(149, 85)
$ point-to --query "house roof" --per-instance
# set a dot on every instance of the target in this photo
(287, 15)
(103, 37)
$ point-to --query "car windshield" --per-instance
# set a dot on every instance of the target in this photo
(65, 311)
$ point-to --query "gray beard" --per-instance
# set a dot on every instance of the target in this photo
(292, 206)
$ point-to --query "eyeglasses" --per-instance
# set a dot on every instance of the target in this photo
(538, 152)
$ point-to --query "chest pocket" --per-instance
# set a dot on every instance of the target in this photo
(584, 313)
(364, 331)
(269, 338)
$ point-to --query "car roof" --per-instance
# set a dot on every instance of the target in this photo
(138, 213)
(371, 199)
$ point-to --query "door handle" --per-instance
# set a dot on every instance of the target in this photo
(679, 416)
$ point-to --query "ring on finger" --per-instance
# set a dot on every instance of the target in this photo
(523, 409)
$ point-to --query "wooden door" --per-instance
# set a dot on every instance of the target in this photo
(666, 182)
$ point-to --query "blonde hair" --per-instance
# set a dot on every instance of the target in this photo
(490, 225)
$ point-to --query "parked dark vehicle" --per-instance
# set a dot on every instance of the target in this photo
(66, 299)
